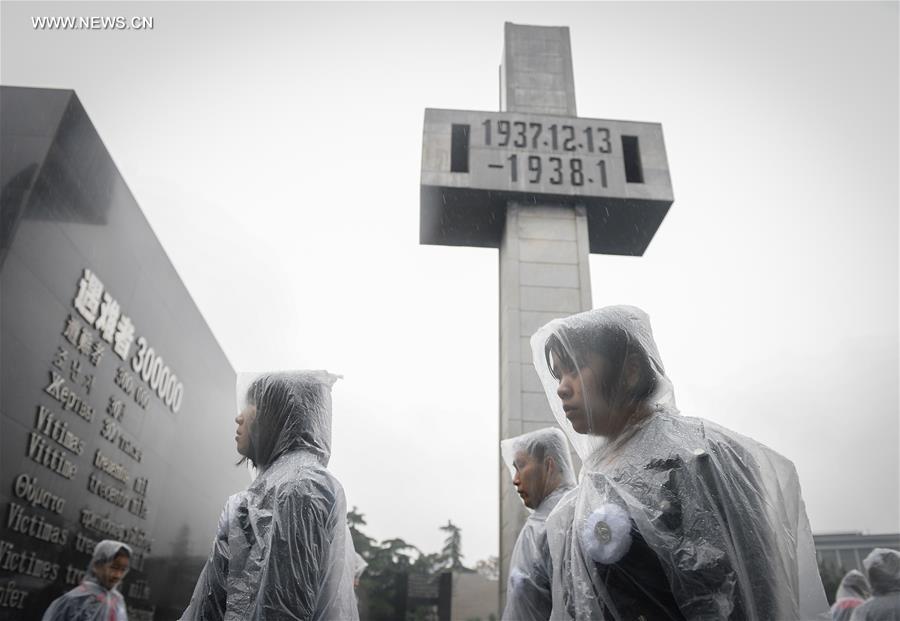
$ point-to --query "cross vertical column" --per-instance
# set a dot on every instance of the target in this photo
(545, 187)
(544, 250)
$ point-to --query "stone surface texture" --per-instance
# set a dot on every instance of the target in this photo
(544, 270)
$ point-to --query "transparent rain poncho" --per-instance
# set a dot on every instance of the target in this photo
(282, 545)
(851, 592)
(853, 585)
(883, 568)
(90, 600)
(674, 517)
(530, 573)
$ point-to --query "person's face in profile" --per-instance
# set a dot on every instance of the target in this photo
(242, 436)
(530, 479)
(580, 391)
(110, 574)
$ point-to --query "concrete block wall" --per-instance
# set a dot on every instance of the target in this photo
(544, 274)
(536, 73)
(544, 270)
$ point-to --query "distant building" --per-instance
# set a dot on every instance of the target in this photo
(450, 596)
(846, 551)
(473, 596)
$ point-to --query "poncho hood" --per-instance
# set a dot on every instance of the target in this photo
(623, 333)
(293, 412)
(883, 567)
(853, 585)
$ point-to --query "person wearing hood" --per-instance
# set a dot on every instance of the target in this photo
(674, 517)
(282, 545)
(542, 473)
(97, 598)
(851, 592)
(883, 568)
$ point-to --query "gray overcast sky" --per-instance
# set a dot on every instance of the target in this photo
(275, 150)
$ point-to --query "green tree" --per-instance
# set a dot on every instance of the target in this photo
(429, 564)
(362, 543)
(489, 568)
(383, 587)
(400, 552)
(452, 554)
(831, 574)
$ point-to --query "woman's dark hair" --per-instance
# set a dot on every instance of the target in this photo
(615, 345)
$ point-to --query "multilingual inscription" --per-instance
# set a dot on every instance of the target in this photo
(118, 497)
(113, 469)
(58, 443)
(140, 486)
(116, 409)
(109, 493)
(73, 368)
(74, 575)
(26, 488)
(85, 544)
(83, 339)
(58, 430)
(129, 448)
(69, 399)
(20, 520)
(129, 385)
(54, 459)
(28, 563)
(157, 375)
(11, 597)
(137, 506)
(112, 432)
(102, 311)
(105, 526)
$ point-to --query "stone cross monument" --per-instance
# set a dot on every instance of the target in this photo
(547, 188)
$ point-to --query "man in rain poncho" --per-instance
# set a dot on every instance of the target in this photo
(883, 567)
(542, 472)
(97, 598)
(282, 545)
(853, 591)
(673, 517)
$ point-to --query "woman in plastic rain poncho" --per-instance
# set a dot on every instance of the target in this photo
(282, 548)
(853, 591)
(883, 568)
(97, 598)
(674, 517)
(542, 472)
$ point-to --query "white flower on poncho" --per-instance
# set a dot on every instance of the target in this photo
(606, 534)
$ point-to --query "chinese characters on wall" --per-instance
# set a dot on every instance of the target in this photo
(114, 503)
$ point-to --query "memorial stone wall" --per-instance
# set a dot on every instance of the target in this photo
(116, 401)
